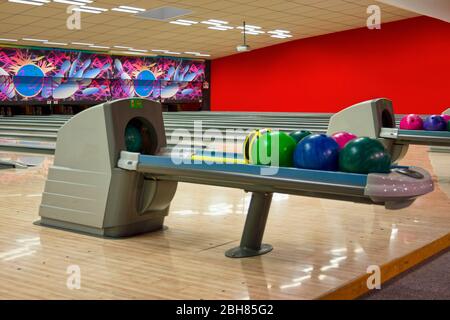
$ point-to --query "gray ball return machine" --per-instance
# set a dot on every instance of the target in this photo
(98, 187)
(376, 119)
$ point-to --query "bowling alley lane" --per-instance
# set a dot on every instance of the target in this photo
(322, 247)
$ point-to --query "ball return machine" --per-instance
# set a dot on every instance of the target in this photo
(96, 186)
(376, 119)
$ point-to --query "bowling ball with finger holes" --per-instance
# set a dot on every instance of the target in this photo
(317, 152)
(411, 122)
(249, 139)
(435, 123)
(364, 155)
(272, 149)
(299, 135)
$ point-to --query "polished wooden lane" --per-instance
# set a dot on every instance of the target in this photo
(322, 247)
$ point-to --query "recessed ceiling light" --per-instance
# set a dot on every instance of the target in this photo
(184, 22)
(124, 10)
(85, 9)
(138, 50)
(74, 2)
(99, 47)
(197, 54)
(248, 28)
(187, 21)
(281, 36)
(212, 23)
(89, 9)
(252, 27)
(135, 53)
(82, 44)
(132, 8)
(218, 21)
(218, 28)
(121, 47)
(35, 40)
(254, 32)
(31, 2)
(251, 32)
(128, 9)
(217, 25)
(180, 23)
(9, 40)
(56, 43)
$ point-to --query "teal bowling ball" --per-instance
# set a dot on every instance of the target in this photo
(133, 138)
(299, 135)
(364, 155)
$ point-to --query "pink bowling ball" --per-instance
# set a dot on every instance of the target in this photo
(342, 138)
(446, 117)
(411, 122)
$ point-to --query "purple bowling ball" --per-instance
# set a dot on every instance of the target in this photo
(435, 123)
(411, 122)
(446, 117)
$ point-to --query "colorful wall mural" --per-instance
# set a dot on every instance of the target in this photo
(42, 75)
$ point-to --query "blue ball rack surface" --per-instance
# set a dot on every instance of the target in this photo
(332, 177)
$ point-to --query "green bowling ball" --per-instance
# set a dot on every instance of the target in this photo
(299, 135)
(133, 138)
(364, 155)
(283, 146)
(448, 126)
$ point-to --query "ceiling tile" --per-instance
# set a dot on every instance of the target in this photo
(303, 18)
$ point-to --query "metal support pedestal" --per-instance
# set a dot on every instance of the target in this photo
(254, 228)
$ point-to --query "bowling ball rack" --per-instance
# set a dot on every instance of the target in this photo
(263, 181)
(127, 193)
(417, 137)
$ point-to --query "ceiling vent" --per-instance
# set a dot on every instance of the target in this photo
(163, 13)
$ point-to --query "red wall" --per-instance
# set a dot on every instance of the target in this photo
(406, 61)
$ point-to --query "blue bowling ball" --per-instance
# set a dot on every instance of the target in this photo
(317, 152)
(435, 123)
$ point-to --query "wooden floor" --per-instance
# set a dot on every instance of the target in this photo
(319, 245)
